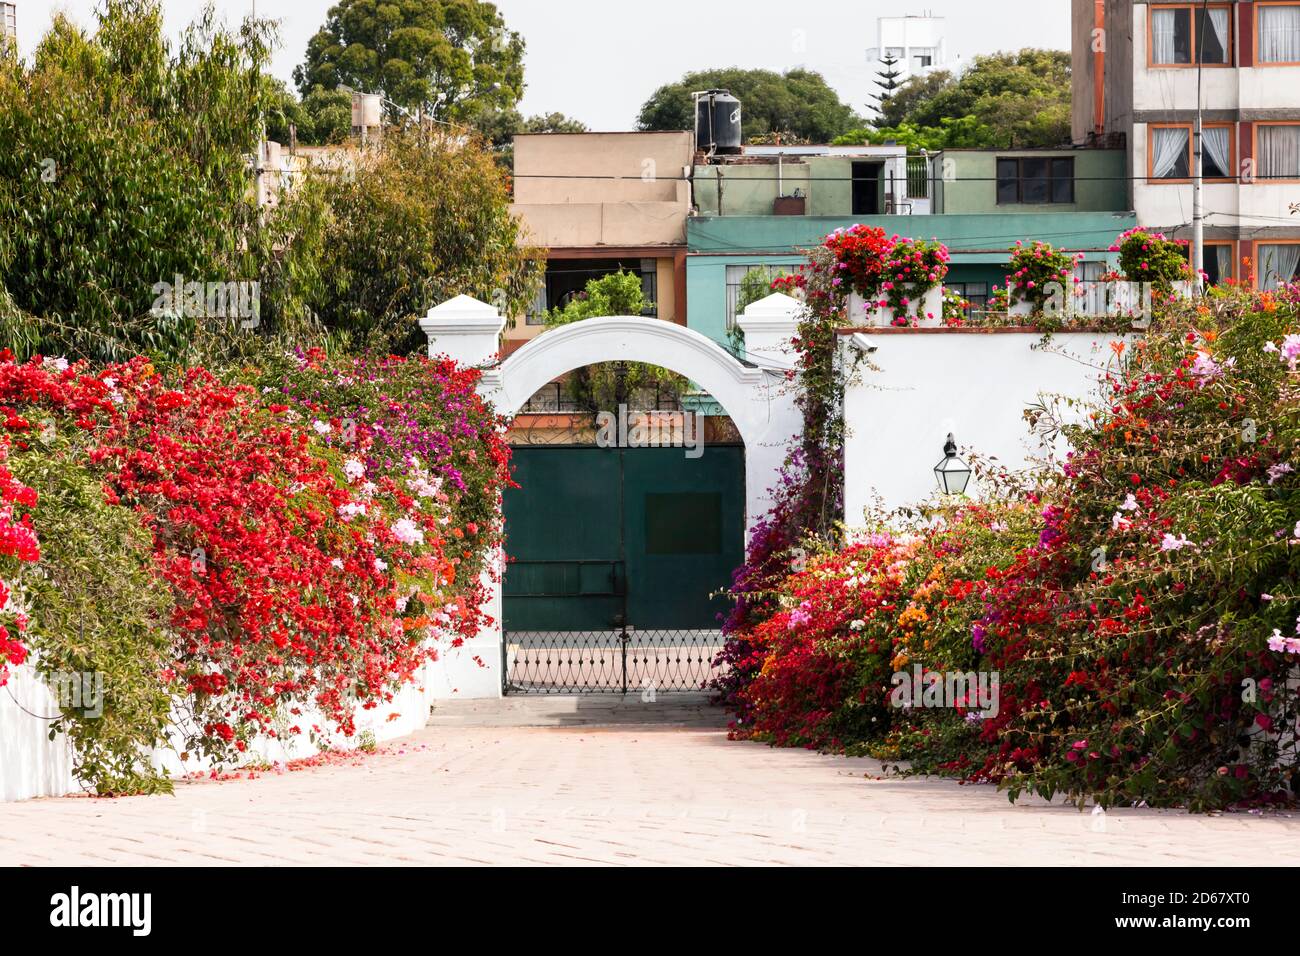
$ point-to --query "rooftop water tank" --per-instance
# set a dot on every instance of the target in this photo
(717, 122)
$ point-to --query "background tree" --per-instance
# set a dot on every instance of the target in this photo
(320, 118)
(797, 102)
(1021, 99)
(905, 98)
(424, 219)
(887, 80)
(448, 59)
(123, 165)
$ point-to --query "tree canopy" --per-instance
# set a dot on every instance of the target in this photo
(797, 103)
(122, 165)
(1012, 100)
(448, 59)
(126, 177)
(418, 222)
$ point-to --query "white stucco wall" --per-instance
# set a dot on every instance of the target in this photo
(32, 765)
(975, 384)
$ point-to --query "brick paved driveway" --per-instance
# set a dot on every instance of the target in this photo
(564, 781)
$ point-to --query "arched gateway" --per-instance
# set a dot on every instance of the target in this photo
(756, 394)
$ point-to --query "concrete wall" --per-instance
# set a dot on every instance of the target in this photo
(965, 181)
(975, 384)
(748, 189)
(648, 166)
(602, 189)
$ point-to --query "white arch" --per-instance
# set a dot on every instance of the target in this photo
(750, 395)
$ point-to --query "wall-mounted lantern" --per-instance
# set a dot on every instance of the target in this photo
(952, 473)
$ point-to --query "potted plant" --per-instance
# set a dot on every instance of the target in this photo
(1154, 258)
(860, 254)
(911, 284)
(1039, 277)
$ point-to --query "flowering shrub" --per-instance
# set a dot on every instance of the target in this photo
(311, 539)
(860, 254)
(914, 268)
(1137, 606)
(18, 545)
(1038, 272)
(1152, 257)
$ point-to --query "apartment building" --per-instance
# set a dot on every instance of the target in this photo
(1140, 70)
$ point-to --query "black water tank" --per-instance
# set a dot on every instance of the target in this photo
(717, 122)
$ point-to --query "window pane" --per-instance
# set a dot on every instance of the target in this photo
(1171, 36)
(1279, 33)
(1277, 263)
(1008, 185)
(1279, 152)
(1063, 180)
(1213, 35)
(1169, 152)
(1034, 186)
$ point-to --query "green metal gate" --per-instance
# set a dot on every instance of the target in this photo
(614, 557)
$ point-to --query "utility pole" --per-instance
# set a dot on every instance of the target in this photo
(1198, 161)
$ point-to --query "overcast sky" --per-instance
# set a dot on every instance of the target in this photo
(598, 60)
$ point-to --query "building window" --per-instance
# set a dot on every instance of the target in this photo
(1178, 30)
(735, 276)
(1277, 150)
(1218, 261)
(976, 295)
(1279, 32)
(1032, 179)
(1277, 263)
(1169, 148)
(566, 278)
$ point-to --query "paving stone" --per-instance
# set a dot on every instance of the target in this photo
(561, 781)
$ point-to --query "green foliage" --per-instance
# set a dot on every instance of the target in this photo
(598, 387)
(797, 102)
(965, 132)
(322, 117)
(756, 285)
(124, 164)
(424, 219)
(448, 59)
(1017, 100)
(99, 617)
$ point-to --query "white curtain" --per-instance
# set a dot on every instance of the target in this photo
(1219, 24)
(1162, 36)
(1223, 258)
(1277, 264)
(1279, 33)
(1216, 143)
(1279, 151)
(1169, 144)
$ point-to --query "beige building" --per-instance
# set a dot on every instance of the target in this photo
(601, 202)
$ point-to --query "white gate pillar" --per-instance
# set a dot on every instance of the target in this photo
(464, 329)
(769, 326)
(469, 332)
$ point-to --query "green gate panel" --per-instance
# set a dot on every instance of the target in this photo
(685, 529)
(564, 540)
(593, 533)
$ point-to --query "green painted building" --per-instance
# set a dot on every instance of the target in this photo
(1079, 205)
